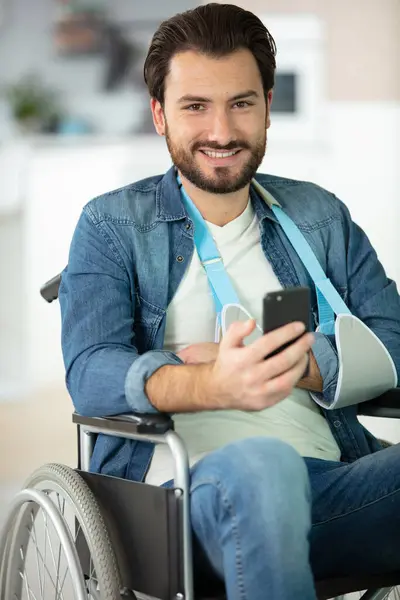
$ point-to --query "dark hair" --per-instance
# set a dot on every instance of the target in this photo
(215, 30)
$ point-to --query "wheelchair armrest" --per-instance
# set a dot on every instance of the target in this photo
(387, 405)
(145, 424)
(49, 291)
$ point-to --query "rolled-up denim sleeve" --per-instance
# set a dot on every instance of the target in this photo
(326, 357)
(140, 371)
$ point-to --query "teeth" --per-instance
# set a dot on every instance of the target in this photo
(219, 154)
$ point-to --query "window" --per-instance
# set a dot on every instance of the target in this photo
(285, 93)
(298, 104)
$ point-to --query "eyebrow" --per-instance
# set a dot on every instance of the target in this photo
(241, 96)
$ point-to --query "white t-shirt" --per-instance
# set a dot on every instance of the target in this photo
(191, 319)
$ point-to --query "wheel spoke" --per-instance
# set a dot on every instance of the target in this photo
(45, 568)
(92, 586)
(91, 568)
(57, 584)
(54, 562)
(34, 537)
(62, 585)
(63, 506)
(30, 593)
(61, 509)
(24, 577)
(58, 565)
(77, 532)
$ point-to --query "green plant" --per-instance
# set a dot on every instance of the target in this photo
(31, 101)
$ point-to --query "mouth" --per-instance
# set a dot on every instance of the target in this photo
(221, 157)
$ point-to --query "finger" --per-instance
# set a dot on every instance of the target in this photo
(280, 387)
(285, 360)
(236, 333)
(275, 339)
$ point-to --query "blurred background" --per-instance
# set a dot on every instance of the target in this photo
(75, 122)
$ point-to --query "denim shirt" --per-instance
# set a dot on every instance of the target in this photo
(128, 255)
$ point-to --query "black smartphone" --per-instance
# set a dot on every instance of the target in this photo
(283, 307)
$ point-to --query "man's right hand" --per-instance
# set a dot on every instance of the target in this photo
(242, 379)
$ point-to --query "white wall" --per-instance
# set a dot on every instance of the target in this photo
(359, 163)
(12, 313)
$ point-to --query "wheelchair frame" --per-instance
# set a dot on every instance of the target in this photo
(156, 429)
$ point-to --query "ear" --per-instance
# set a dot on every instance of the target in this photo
(269, 102)
(158, 116)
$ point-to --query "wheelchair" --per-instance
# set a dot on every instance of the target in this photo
(124, 540)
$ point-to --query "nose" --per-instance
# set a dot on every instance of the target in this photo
(221, 128)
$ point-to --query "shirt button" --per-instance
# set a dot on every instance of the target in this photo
(188, 225)
(180, 258)
(337, 424)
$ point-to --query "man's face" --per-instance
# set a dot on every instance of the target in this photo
(214, 118)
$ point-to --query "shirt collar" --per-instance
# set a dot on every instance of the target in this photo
(170, 206)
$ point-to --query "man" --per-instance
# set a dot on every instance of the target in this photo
(281, 490)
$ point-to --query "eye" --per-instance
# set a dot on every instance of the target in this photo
(242, 104)
(194, 107)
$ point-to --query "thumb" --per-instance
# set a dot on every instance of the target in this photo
(236, 333)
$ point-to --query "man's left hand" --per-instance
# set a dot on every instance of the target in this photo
(313, 380)
(196, 354)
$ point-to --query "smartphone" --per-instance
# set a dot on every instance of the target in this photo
(283, 307)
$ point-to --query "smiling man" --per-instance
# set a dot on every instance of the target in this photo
(284, 486)
(216, 136)
(216, 141)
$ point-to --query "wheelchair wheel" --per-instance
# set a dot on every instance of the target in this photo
(55, 543)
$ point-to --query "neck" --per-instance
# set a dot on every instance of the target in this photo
(218, 209)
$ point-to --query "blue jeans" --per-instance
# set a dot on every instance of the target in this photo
(267, 521)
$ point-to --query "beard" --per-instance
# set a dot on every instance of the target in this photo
(223, 181)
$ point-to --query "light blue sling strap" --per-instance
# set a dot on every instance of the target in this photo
(221, 286)
(329, 301)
